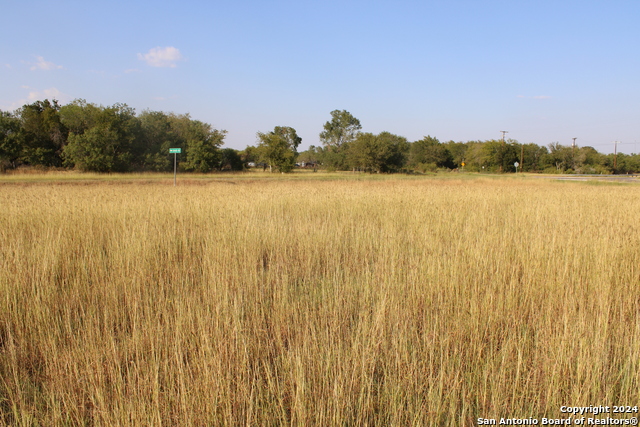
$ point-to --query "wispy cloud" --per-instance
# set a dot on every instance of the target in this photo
(162, 57)
(37, 95)
(41, 64)
(132, 70)
(51, 93)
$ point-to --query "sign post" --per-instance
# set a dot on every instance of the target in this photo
(175, 152)
(516, 164)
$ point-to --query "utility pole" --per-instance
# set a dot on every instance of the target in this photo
(503, 132)
(521, 158)
(615, 156)
(573, 154)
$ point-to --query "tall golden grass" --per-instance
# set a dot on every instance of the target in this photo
(374, 302)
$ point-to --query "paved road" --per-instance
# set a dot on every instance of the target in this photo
(576, 177)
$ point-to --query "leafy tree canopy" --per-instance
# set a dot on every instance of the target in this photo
(279, 147)
(429, 151)
(9, 143)
(42, 134)
(384, 152)
(97, 149)
(340, 130)
(203, 147)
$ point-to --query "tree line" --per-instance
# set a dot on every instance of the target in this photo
(95, 138)
(88, 137)
(345, 147)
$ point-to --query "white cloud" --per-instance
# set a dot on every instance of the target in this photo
(12, 107)
(132, 70)
(51, 93)
(44, 65)
(36, 95)
(162, 57)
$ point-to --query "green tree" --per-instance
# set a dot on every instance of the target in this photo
(633, 163)
(333, 160)
(278, 148)
(341, 129)
(249, 155)
(203, 147)
(338, 133)
(95, 150)
(458, 151)
(123, 121)
(9, 143)
(429, 153)
(473, 156)
(311, 155)
(559, 158)
(159, 133)
(230, 160)
(533, 157)
(500, 156)
(384, 152)
(588, 160)
(109, 137)
(79, 116)
(42, 134)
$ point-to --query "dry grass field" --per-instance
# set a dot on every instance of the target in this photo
(382, 301)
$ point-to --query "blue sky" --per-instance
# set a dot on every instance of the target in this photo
(544, 71)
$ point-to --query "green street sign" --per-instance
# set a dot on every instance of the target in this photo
(175, 151)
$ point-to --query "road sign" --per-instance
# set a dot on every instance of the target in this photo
(463, 164)
(516, 164)
(175, 151)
